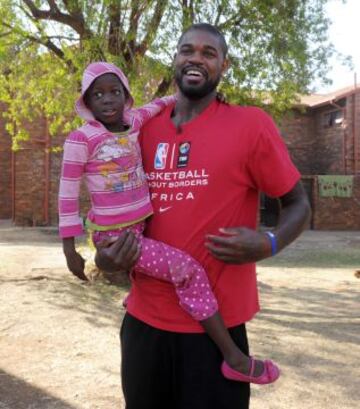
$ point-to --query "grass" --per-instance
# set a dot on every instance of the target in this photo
(317, 258)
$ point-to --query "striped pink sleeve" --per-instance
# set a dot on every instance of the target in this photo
(141, 115)
(74, 159)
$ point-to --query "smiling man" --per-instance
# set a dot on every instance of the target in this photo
(206, 163)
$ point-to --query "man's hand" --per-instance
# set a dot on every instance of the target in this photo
(76, 264)
(119, 254)
(238, 245)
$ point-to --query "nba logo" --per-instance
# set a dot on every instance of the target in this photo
(161, 155)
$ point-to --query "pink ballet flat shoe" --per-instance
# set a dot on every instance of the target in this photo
(270, 373)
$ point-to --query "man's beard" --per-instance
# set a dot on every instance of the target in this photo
(194, 93)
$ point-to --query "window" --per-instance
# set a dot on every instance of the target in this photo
(333, 118)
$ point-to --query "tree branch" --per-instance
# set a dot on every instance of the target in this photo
(233, 21)
(116, 41)
(56, 50)
(5, 34)
(135, 14)
(152, 27)
(219, 12)
(137, 9)
(75, 21)
(53, 5)
(73, 7)
(164, 85)
(188, 13)
(46, 42)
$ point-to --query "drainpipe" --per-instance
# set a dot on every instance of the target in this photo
(47, 173)
(13, 179)
(354, 127)
(46, 146)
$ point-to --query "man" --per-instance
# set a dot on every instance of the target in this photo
(206, 163)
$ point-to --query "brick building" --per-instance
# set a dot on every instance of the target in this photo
(30, 177)
(322, 134)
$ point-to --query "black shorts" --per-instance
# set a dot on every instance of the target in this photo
(169, 370)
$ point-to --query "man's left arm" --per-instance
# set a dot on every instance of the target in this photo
(240, 245)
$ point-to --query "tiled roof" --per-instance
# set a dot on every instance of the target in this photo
(315, 100)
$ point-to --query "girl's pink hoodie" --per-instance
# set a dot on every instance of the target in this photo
(110, 164)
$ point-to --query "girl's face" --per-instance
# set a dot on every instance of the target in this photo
(106, 100)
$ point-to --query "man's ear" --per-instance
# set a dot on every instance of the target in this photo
(225, 65)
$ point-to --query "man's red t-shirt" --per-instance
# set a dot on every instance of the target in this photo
(204, 176)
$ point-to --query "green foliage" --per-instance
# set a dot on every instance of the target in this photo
(37, 86)
(277, 48)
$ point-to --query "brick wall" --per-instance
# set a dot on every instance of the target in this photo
(319, 149)
(297, 129)
(30, 194)
(23, 212)
(357, 131)
(352, 133)
(35, 192)
(5, 170)
(315, 149)
(337, 213)
(329, 144)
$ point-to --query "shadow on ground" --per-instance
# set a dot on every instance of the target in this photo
(99, 303)
(319, 326)
(323, 313)
(25, 393)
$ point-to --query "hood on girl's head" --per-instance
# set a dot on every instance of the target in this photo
(93, 71)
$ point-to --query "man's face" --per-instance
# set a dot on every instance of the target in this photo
(106, 99)
(199, 64)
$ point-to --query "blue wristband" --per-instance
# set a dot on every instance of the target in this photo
(273, 242)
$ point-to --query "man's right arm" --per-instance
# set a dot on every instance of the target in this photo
(119, 255)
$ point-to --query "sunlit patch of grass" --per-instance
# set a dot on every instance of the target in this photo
(329, 258)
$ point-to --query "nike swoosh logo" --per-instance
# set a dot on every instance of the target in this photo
(164, 209)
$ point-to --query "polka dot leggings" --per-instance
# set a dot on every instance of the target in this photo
(170, 264)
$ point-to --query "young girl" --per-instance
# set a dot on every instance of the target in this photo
(106, 151)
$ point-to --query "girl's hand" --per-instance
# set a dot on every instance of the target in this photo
(76, 264)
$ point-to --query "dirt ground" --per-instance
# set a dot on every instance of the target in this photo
(59, 346)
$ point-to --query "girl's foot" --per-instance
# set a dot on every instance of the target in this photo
(246, 364)
(251, 370)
